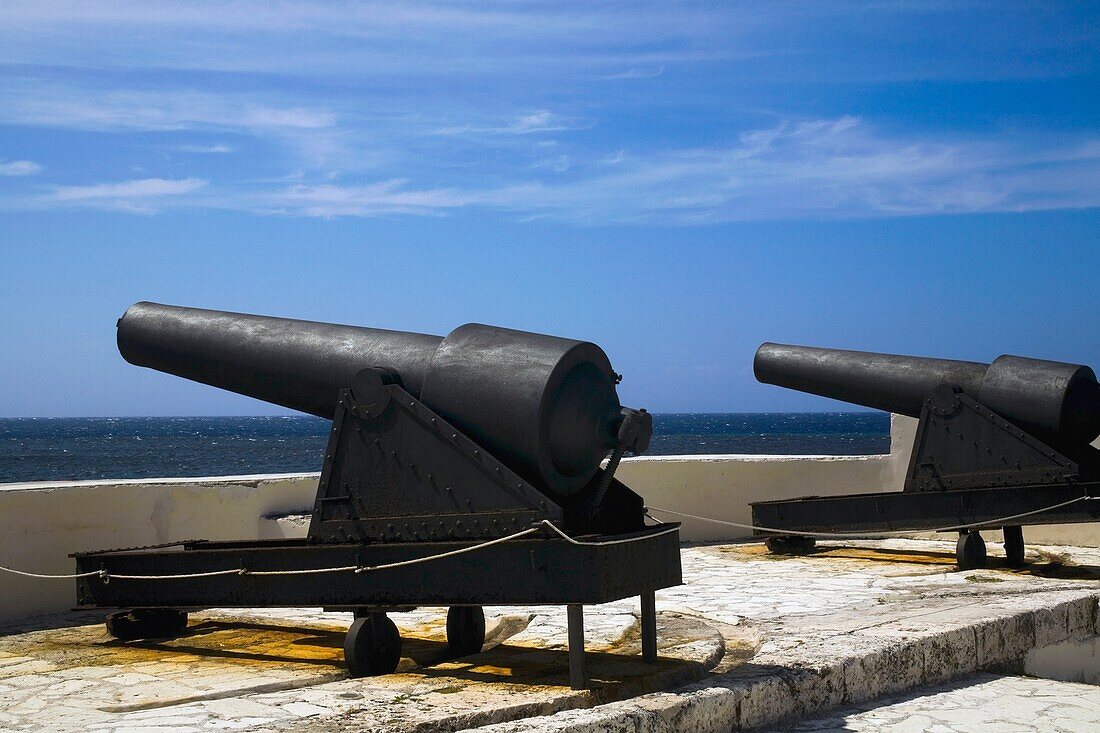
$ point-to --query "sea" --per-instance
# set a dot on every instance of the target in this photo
(59, 449)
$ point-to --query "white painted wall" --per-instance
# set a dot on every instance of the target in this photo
(41, 523)
(722, 487)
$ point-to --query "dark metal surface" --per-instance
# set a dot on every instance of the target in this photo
(545, 406)
(905, 510)
(437, 445)
(530, 571)
(994, 440)
(297, 364)
(1059, 402)
(960, 444)
(578, 668)
(396, 471)
(1014, 545)
(648, 626)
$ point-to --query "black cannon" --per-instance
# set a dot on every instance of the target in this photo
(997, 445)
(460, 471)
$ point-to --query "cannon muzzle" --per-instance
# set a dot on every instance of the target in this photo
(1056, 400)
(544, 405)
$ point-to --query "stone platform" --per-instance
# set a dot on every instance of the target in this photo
(751, 640)
(985, 703)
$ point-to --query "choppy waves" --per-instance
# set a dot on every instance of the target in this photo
(51, 449)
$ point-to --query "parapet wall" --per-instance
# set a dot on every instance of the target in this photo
(42, 523)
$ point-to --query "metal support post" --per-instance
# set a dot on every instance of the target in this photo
(578, 675)
(649, 627)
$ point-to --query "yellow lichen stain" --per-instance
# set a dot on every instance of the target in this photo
(219, 655)
(448, 689)
(213, 642)
(918, 557)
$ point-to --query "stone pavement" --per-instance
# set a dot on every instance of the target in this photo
(750, 640)
(982, 704)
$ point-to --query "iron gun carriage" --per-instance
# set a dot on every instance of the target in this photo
(997, 445)
(460, 471)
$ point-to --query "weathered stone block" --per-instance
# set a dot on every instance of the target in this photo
(1083, 618)
(892, 667)
(1003, 642)
(949, 654)
(766, 700)
(1051, 624)
(713, 710)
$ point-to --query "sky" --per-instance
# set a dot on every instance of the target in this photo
(677, 182)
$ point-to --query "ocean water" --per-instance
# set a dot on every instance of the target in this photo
(51, 449)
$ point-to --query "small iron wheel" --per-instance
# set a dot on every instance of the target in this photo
(372, 646)
(465, 630)
(146, 623)
(790, 545)
(1014, 546)
(970, 551)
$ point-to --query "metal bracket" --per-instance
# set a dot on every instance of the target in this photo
(961, 444)
(395, 471)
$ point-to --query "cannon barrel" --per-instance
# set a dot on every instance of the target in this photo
(1058, 401)
(544, 405)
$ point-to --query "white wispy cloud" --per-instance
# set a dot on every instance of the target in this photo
(376, 199)
(535, 122)
(145, 195)
(19, 168)
(89, 108)
(817, 169)
(820, 169)
(216, 149)
(420, 108)
(544, 38)
(637, 73)
(419, 36)
(558, 164)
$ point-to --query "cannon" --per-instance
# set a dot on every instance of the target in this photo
(997, 445)
(460, 471)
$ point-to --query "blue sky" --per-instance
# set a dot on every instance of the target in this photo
(675, 181)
